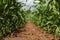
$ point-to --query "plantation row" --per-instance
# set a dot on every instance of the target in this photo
(46, 16)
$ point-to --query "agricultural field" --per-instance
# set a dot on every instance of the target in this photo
(39, 22)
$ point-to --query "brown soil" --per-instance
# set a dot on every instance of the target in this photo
(30, 32)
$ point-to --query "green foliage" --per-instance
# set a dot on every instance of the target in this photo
(11, 17)
(47, 16)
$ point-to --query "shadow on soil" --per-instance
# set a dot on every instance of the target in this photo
(13, 34)
(1, 38)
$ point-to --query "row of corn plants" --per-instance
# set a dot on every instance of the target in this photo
(46, 16)
(11, 17)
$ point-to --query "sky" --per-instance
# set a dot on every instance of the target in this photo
(28, 4)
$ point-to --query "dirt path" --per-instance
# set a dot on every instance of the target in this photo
(30, 32)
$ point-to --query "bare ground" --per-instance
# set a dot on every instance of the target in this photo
(30, 32)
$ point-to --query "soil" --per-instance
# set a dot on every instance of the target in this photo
(30, 32)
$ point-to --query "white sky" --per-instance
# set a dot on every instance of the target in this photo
(28, 4)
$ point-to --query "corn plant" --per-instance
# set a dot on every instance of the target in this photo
(47, 16)
(11, 17)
